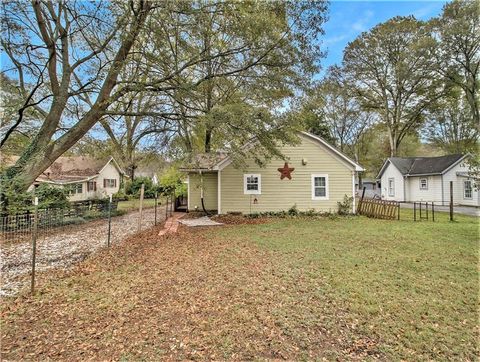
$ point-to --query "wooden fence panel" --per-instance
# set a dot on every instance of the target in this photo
(379, 209)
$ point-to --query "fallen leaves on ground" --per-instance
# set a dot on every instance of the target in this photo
(65, 246)
(186, 296)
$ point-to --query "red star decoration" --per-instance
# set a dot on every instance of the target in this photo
(286, 171)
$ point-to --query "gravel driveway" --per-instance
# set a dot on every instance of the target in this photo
(66, 247)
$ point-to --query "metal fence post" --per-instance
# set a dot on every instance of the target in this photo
(433, 211)
(166, 207)
(414, 211)
(359, 208)
(155, 223)
(34, 245)
(142, 191)
(451, 200)
(109, 220)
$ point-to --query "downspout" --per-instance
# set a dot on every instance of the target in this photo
(354, 209)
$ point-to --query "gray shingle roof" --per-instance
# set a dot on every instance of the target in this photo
(424, 165)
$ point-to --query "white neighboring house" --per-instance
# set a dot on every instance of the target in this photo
(409, 179)
(87, 178)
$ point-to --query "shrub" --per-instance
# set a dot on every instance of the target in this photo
(92, 214)
(345, 207)
(51, 197)
(171, 180)
(132, 188)
(293, 211)
(120, 196)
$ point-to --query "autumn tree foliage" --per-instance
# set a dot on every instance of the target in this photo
(177, 70)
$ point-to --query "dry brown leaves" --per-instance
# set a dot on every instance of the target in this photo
(192, 295)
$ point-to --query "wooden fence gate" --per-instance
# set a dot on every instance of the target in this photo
(379, 209)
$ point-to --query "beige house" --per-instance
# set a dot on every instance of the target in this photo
(315, 176)
(87, 178)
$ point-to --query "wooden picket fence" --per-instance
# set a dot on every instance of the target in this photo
(379, 209)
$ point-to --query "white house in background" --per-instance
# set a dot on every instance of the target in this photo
(86, 177)
(409, 179)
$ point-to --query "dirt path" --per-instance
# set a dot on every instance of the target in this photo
(66, 247)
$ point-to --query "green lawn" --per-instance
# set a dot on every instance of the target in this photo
(411, 287)
(134, 204)
(297, 289)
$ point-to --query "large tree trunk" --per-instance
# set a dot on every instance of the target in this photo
(393, 143)
(208, 140)
(42, 152)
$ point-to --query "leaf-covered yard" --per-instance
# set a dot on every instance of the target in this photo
(279, 288)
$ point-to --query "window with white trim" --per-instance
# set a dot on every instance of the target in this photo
(76, 189)
(391, 187)
(320, 187)
(467, 189)
(252, 184)
(109, 182)
(423, 184)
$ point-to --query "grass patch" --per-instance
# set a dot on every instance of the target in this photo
(134, 204)
(296, 288)
(410, 286)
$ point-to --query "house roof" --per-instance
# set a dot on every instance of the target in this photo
(75, 169)
(416, 166)
(205, 161)
(70, 169)
(219, 160)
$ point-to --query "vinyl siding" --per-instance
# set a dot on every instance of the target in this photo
(458, 198)
(79, 197)
(109, 172)
(433, 193)
(276, 194)
(392, 172)
(210, 191)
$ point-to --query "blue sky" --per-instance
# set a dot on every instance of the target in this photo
(348, 19)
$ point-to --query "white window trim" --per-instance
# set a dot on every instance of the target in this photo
(110, 180)
(420, 183)
(326, 197)
(391, 194)
(464, 189)
(252, 192)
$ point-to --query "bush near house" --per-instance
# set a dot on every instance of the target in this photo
(49, 197)
(132, 188)
(171, 180)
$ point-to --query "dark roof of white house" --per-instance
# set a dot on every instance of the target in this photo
(412, 166)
